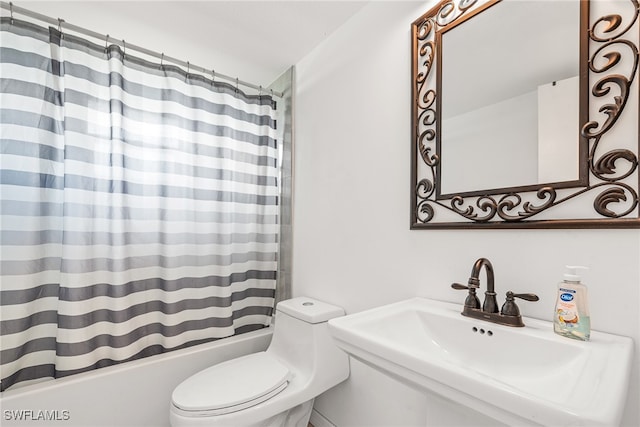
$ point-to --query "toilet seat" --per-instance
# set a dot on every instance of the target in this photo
(232, 385)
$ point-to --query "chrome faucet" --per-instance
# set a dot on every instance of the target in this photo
(509, 314)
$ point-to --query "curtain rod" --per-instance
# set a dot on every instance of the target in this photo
(62, 24)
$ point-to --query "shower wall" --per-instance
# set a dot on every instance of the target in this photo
(286, 85)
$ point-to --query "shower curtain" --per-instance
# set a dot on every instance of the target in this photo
(139, 206)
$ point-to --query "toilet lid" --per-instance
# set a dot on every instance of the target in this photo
(232, 385)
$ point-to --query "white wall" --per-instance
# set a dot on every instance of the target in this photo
(352, 243)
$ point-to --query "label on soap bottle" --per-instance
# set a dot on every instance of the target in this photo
(567, 310)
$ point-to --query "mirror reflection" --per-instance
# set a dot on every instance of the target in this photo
(510, 90)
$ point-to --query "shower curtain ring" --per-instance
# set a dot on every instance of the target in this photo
(213, 76)
(237, 83)
(162, 61)
(260, 93)
(106, 43)
(124, 49)
(11, 10)
(60, 21)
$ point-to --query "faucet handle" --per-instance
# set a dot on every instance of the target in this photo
(526, 297)
(509, 308)
(472, 300)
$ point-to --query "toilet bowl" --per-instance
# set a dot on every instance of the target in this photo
(273, 388)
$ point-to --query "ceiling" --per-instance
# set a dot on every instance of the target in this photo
(253, 40)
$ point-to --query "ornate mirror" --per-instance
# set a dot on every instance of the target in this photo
(525, 114)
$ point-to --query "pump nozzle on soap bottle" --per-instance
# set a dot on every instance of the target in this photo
(571, 317)
(572, 273)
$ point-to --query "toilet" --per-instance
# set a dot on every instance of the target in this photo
(272, 388)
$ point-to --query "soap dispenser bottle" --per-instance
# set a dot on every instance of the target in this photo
(571, 318)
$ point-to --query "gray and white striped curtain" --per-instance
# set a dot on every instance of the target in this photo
(138, 206)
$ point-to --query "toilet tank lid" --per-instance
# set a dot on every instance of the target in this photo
(309, 310)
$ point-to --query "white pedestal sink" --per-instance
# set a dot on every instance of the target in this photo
(525, 375)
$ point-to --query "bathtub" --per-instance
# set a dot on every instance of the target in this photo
(131, 394)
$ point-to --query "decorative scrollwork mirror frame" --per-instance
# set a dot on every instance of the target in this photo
(613, 182)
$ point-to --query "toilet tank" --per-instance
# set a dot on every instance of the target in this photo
(301, 340)
(309, 310)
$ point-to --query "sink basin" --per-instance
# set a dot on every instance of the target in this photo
(519, 376)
